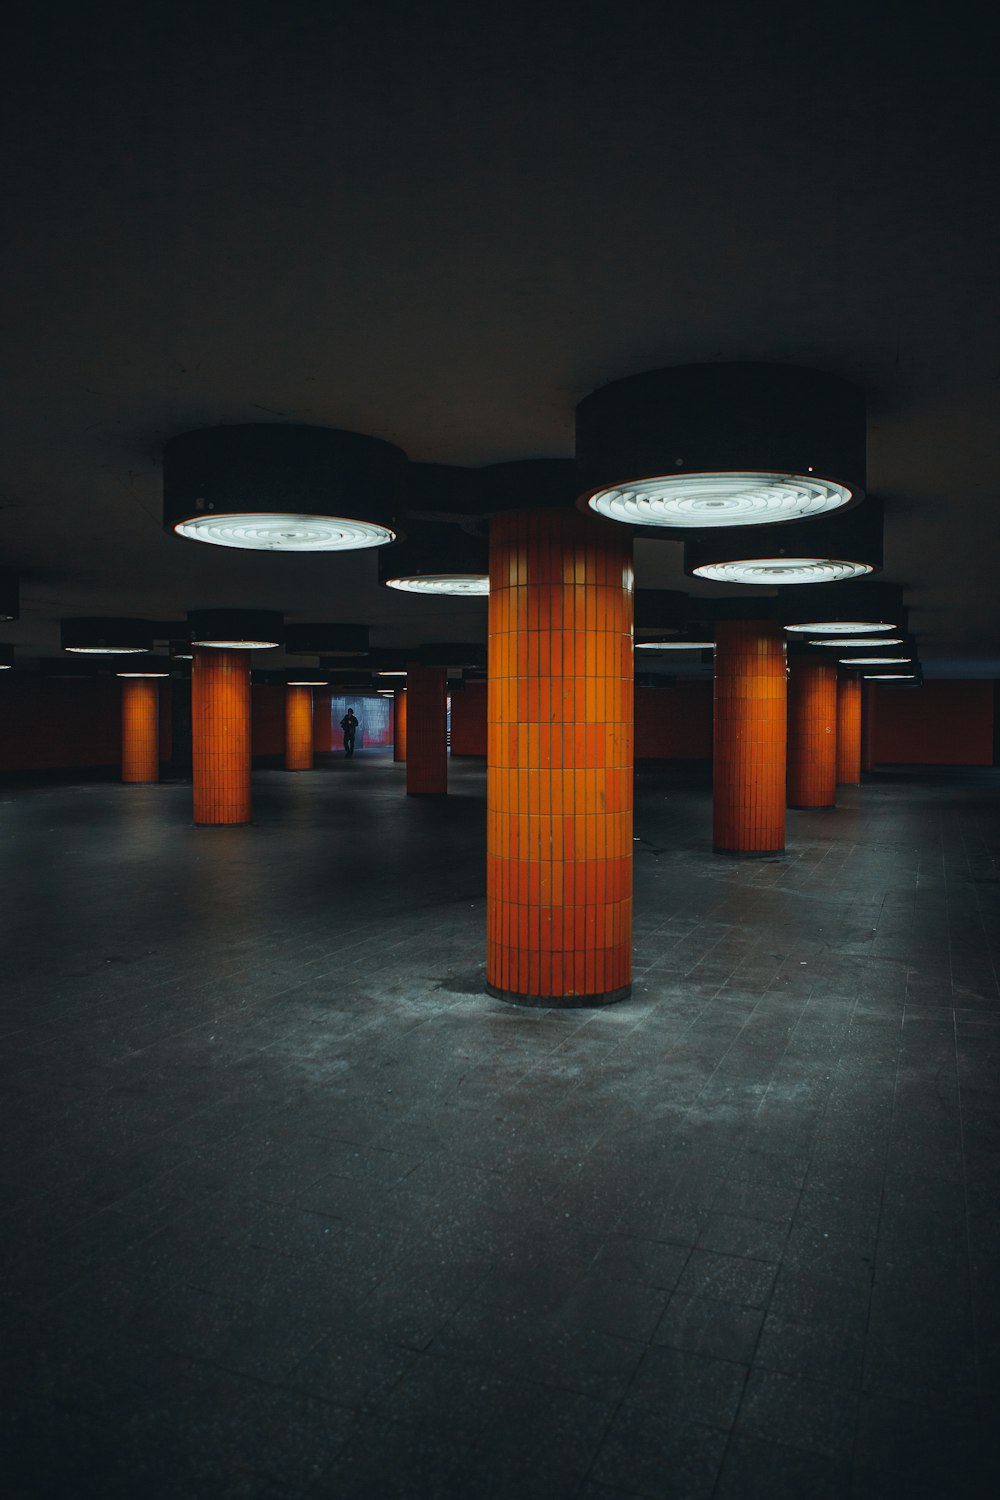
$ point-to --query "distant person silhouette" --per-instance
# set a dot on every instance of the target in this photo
(349, 724)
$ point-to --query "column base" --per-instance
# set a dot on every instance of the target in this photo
(749, 853)
(560, 1002)
(812, 807)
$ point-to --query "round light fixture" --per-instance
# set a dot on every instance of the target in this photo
(391, 674)
(106, 636)
(782, 570)
(837, 628)
(675, 645)
(150, 666)
(890, 676)
(701, 447)
(275, 487)
(320, 682)
(459, 585)
(873, 661)
(437, 558)
(236, 629)
(839, 642)
(706, 500)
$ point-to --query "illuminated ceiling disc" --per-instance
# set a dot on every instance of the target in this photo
(469, 585)
(706, 500)
(874, 661)
(237, 645)
(675, 645)
(773, 571)
(838, 642)
(890, 676)
(142, 674)
(840, 627)
(106, 650)
(273, 532)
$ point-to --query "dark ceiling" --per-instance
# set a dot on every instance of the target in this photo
(444, 224)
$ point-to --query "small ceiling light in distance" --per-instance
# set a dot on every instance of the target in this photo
(840, 642)
(437, 558)
(872, 661)
(839, 627)
(106, 636)
(236, 629)
(675, 645)
(781, 570)
(6, 658)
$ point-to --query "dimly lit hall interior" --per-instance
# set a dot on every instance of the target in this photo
(499, 754)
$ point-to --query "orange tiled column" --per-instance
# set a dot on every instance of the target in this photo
(869, 715)
(812, 733)
(399, 724)
(426, 731)
(749, 723)
(322, 721)
(559, 788)
(140, 729)
(220, 735)
(848, 729)
(298, 729)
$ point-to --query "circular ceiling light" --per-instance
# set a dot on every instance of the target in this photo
(276, 487)
(839, 627)
(391, 674)
(839, 642)
(675, 645)
(782, 570)
(873, 661)
(106, 636)
(706, 500)
(320, 682)
(236, 629)
(459, 585)
(890, 676)
(701, 447)
(153, 667)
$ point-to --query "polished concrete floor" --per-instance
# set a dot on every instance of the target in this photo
(292, 1208)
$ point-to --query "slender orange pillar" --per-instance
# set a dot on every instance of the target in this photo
(322, 721)
(426, 731)
(812, 733)
(748, 733)
(220, 735)
(869, 715)
(399, 724)
(298, 729)
(140, 729)
(848, 729)
(559, 741)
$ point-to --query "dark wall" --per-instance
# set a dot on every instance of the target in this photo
(468, 720)
(674, 722)
(941, 724)
(52, 724)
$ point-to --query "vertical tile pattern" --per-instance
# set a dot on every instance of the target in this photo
(426, 731)
(812, 733)
(298, 729)
(869, 720)
(559, 784)
(322, 721)
(220, 735)
(140, 729)
(399, 724)
(848, 729)
(748, 734)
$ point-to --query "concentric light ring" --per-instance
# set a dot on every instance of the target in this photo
(771, 571)
(701, 501)
(460, 585)
(675, 645)
(272, 531)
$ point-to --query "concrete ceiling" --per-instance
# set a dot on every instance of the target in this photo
(444, 225)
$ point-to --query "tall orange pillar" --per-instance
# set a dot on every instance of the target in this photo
(140, 729)
(869, 716)
(812, 733)
(848, 729)
(322, 721)
(559, 786)
(399, 724)
(220, 735)
(298, 729)
(749, 725)
(426, 731)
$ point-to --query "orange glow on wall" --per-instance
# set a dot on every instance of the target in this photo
(812, 733)
(140, 729)
(849, 729)
(749, 726)
(298, 729)
(220, 735)
(399, 724)
(426, 731)
(559, 787)
(869, 722)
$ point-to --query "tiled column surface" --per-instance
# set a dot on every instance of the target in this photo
(426, 731)
(748, 733)
(220, 735)
(140, 729)
(399, 724)
(848, 729)
(869, 715)
(298, 729)
(559, 785)
(322, 721)
(812, 733)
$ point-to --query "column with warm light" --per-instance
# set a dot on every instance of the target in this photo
(399, 724)
(559, 791)
(848, 729)
(812, 733)
(140, 729)
(298, 728)
(220, 735)
(869, 717)
(426, 731)
(749, 727)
